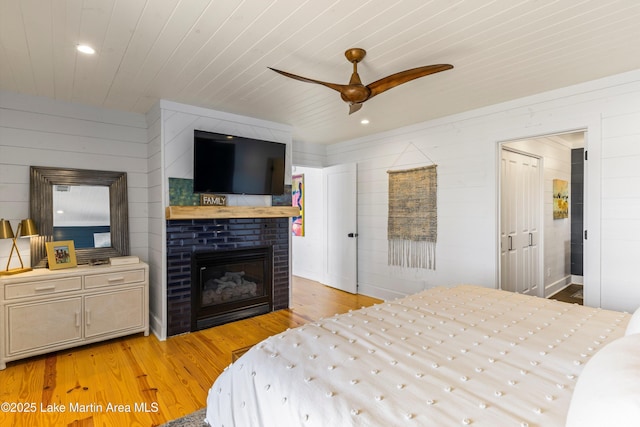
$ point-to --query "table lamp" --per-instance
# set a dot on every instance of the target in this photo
(26, 228)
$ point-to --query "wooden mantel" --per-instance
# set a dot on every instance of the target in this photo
(212, 212)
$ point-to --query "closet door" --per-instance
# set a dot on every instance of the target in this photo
(520, 223)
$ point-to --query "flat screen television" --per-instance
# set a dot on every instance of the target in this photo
(230, 164)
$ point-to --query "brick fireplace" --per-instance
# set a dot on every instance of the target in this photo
(186, 237)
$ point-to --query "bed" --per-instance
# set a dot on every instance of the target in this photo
(466, 355)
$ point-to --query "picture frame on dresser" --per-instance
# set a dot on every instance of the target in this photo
(61, 254)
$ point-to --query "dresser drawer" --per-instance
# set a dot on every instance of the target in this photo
(115, 278)
(42, 287)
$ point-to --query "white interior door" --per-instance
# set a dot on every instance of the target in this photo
(520, 223)
(341, 224)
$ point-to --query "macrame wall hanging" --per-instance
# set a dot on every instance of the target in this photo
(413, 217)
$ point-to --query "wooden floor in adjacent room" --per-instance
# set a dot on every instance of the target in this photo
(141, 381)
(571, 294)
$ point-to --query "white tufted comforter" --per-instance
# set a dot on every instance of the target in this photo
(443, 357)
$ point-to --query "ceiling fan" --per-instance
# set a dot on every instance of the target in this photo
(355, 93)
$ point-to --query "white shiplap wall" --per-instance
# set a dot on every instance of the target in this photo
(310, 155)
(620, 231)
(465, 147)
(171, 127)
(37, 131)
(157, 260)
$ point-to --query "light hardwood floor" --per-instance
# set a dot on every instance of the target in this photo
(141, 381)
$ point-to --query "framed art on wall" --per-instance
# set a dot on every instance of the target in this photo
(560, 199)
(61, 254)
(297, 199)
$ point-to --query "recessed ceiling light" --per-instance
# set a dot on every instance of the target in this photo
(364, 121)
(85, 49)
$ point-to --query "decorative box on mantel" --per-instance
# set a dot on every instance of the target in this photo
(200, 229)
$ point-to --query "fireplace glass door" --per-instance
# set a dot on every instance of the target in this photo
(230, 282)
(230, 285)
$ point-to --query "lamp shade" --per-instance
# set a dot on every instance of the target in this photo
(6, 232)
(28, 228)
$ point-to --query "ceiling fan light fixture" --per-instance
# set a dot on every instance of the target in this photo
(364, 121)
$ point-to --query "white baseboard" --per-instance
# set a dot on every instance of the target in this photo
(311, 275)
(375, 292)
(157, 328)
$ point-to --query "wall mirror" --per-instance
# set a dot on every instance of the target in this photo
(81, 213)
(72, 204)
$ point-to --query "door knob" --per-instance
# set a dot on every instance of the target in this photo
(352, 235)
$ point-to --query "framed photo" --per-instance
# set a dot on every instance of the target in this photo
(61, 254)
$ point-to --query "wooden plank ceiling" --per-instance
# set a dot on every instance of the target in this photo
(215, 54)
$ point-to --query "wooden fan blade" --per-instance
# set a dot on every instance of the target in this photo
(333, 86)
(397, 79)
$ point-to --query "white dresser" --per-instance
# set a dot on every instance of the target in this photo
(43, 311)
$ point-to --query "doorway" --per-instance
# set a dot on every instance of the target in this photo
(326, 251)
(553, 261)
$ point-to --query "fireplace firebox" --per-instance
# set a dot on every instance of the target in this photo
(230, 285)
